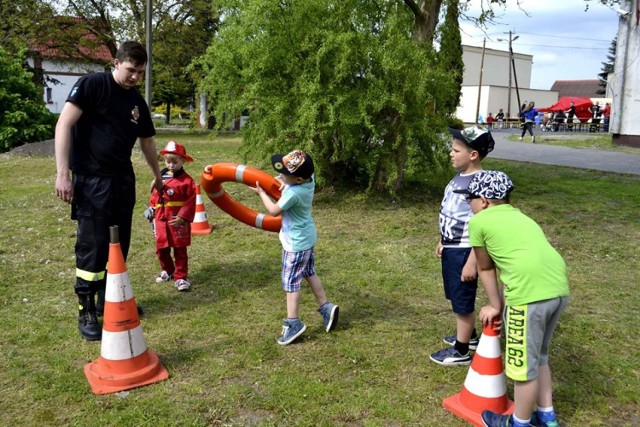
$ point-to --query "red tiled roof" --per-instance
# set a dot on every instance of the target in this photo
(579, 88)
(88, 46)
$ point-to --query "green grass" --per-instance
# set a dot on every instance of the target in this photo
(376, 260)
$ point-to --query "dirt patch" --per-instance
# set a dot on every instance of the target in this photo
(34, 149)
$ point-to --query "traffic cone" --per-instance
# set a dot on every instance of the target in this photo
(200, 223)
(124, 361)
(485, 386)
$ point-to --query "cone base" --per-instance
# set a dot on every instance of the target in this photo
(207, 230)
(455, 405)
(102, 381)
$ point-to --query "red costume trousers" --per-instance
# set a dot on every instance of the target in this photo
(180, 267)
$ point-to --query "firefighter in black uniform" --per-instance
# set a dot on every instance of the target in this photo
(99, 124)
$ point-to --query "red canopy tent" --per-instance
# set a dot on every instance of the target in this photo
(582, 105)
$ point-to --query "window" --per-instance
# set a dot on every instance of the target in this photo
(49, 96)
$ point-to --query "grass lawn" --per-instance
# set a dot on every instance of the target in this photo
(376, 260)
(598, 141)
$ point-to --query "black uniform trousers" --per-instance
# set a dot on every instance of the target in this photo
(98, 203)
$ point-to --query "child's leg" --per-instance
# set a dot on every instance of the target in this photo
(293, 303)
(465, 323)
(181, 263)
(166, 262)
(318, 290)
(525, 395)
(545, 395)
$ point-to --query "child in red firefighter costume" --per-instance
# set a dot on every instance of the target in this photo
(172, 210)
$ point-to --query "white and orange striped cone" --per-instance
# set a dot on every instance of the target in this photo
(200, 222)
(485, 386)
(124, 362)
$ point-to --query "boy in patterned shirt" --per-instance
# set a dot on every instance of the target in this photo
(459, 274)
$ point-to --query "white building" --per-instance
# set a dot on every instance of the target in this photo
(494, 88)
(60, 72)
(623, 84)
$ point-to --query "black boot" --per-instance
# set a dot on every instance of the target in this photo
(100, 303)
(87, 321)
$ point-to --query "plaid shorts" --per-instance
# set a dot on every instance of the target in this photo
(295, 267)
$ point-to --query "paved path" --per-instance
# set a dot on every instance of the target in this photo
(584, 158)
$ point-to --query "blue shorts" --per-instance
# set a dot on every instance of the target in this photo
(461, 294)
(295, 267)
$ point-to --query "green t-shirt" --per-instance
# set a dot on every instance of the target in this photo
(531, 269)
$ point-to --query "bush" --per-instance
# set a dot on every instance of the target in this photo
(23, 116)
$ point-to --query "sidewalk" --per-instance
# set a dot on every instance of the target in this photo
(584, 158)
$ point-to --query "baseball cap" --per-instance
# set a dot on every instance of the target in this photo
(296, 163)
(475, 137)
(173, 147)
(489, 184)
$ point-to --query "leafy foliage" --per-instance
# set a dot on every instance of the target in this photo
(607, 67)
(450, 55)
(23, 116)
(344, 80)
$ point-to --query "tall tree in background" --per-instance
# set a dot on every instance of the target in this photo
(182, 31)
(450, 56)
(23, 116)
(607, 67)
(345, 80)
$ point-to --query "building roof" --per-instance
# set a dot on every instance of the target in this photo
(579, 88)
(85, 45)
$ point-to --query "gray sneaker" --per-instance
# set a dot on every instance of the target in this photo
(329, 314)
(290, 331)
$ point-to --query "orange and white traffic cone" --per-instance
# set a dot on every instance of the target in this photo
(200, 222)
(124, 362)
(485, 386)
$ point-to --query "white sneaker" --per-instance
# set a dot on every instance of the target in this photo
(163, 277)
(520, 139)
(182, 285)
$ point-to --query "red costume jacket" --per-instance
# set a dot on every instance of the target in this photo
(177, 198)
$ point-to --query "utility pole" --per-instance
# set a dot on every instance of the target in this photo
(480, 82)
(147, 80)
(511, 71)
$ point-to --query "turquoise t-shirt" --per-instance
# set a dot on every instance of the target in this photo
(298, 232)
(531, 269)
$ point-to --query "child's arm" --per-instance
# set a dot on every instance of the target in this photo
(487, 271)
(272, 207)
(470, 268)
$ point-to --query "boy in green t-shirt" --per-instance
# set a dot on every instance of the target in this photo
(536, 293)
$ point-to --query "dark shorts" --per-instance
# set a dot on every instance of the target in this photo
(461, 294)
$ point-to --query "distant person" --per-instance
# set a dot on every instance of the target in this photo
(459, 274)
(298, 237)
(571, 113)
(480, 120)
(172, 210)
(500, 118)
(522, 108)
(536, 292)
(490, 120)
(595, 110)
(529, 115)
(99, 124)
(606, 114)
(558, 120)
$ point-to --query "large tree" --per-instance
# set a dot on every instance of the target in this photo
(23, 116)
(607, 67)
(346, 80)
(181, 32)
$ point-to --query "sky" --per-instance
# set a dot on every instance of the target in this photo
(567, 42)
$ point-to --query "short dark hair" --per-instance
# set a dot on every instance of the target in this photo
(133, 52)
